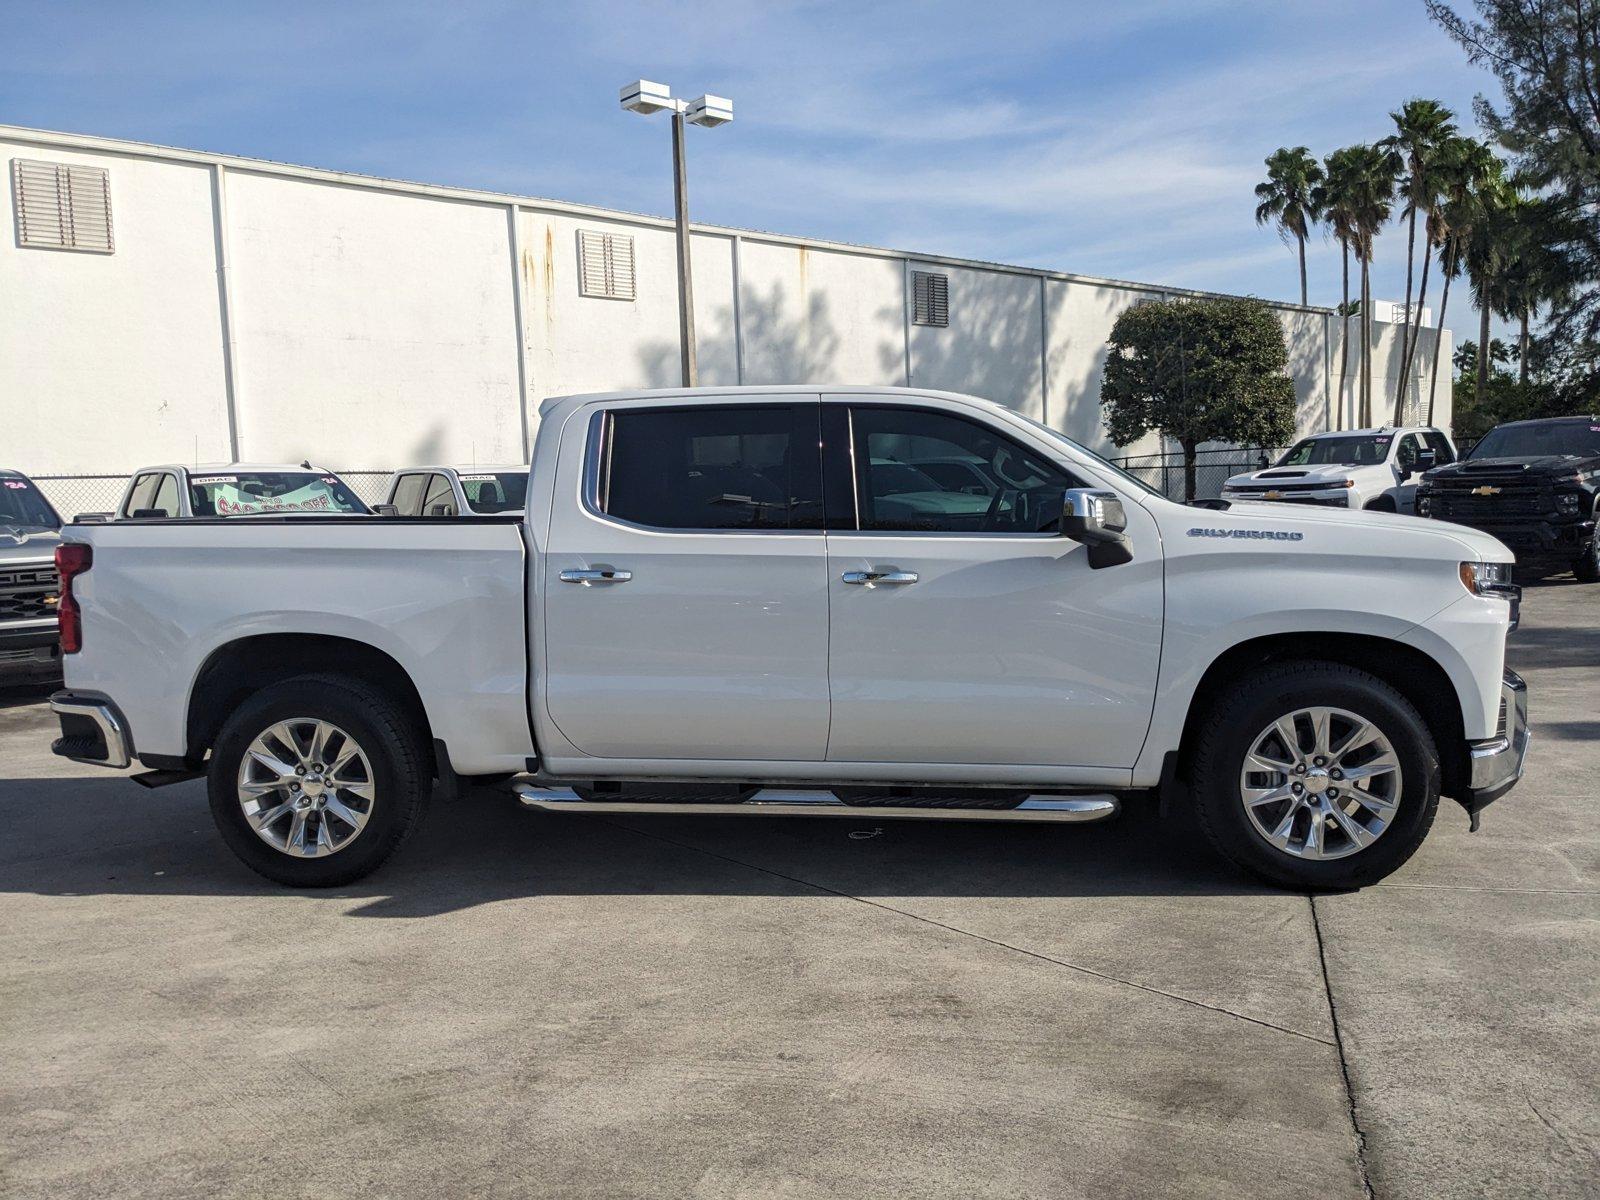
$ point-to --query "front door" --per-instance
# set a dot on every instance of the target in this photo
(686, 594)
(964, 628)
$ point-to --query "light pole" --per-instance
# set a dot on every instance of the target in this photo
(643, 97)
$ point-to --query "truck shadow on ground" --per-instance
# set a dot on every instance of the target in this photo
(108, 837)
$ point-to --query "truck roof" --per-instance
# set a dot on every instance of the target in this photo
(554, 404)
(485, 469)
(1575, 420)
(213, 468)
(1380, 430)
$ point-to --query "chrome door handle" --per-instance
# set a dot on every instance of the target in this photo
(588, 577)
(874, 578)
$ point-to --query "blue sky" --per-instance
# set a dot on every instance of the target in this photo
(1118, 137)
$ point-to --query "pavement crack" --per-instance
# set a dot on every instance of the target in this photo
(1344, 1063)
(996, 942)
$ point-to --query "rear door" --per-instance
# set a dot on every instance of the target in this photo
(965, 629)
(686, 591)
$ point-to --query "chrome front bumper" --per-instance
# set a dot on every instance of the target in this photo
(92, 731)
(1497, 764)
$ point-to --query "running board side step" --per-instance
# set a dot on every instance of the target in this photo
(786, 802)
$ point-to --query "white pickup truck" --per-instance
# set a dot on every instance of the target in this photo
(1377, 469)
(781, 600)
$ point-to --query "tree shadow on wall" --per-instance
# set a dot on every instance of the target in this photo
(783, 341)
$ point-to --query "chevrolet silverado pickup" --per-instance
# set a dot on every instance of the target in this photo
(28, 540)
(782, 601)
(1353, 468)
(1534, 485)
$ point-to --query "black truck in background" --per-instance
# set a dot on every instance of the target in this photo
(1535, 485)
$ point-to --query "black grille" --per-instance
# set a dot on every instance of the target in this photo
(1508, 501)
(27, 593)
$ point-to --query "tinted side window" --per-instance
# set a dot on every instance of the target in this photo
(928, 472)
(408, 495)
(144, 488)
(167, 496)
(439, 492)
(714, 468)
(1406, 455)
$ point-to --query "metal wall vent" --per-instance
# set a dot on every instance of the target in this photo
(61, 206)
(930, 298)
(605, 265)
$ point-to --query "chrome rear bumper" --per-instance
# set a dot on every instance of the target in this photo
(92, 731)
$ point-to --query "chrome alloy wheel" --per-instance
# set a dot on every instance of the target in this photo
(1321, 783)
(305, 787)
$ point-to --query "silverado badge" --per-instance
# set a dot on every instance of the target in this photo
(1486, 490)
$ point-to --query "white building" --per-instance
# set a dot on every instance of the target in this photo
(161, 305)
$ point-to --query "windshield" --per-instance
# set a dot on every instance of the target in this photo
(496, 492)
(244, 492)
(1578, 439)
(1338, 451)
(22, 505)
(1056, 435)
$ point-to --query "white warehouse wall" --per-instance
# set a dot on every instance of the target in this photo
(371, 324)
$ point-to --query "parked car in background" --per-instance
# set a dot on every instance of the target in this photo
(458, 491)
(1535, 485)
(1377, 469)
(29, 647)
(722, 602)
(236, 489)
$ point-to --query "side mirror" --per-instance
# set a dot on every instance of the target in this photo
(385, 510)
(1096, 518)
(91, 518)
(1427, 460)
(148, 514)
(441, 510)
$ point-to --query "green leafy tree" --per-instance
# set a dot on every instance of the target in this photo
(1471, 180)
(1546, 56)
(1422, 129)
(1289, 199)
(1198, 371)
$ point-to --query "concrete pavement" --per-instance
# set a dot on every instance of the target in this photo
(525, 1004)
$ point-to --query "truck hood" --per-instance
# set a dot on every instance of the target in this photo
(1544, 464)
(1330, 473)
(1339, 531)
(27, 543)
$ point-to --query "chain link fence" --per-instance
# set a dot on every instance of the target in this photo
(1212, 469)
(74, 494)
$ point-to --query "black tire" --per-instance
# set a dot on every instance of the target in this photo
(1252, 703)
(392, 743)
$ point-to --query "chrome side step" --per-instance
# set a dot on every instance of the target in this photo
(786, 802)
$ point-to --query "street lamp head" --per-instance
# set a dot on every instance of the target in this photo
(710, 111)
(643, 96)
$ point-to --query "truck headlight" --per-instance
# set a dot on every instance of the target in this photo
(1487, 579)
(1569, 504)
(1424, 504)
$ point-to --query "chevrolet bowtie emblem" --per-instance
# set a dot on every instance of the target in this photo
(1272, 496)
(1486, 490)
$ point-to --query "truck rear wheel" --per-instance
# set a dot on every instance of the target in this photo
(315, 781)
(1315, 775)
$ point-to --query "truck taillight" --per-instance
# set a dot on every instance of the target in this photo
(72, 560)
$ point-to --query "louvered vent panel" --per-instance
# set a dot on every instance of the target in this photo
(605, 265)
(930, 297)
(62, 206)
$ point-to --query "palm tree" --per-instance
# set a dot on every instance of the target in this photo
(1336, 199)
(1487, 253)
(1421, 128)
(1288, 198)
(1471, 179)
(1371, 179)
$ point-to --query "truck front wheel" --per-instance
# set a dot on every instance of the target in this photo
(1586, 567)
(316, 780)
(1315, 775)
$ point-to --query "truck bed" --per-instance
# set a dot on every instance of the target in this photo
(442, 596)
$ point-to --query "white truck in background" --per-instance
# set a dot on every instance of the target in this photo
(1376, 469)
(784, 600)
